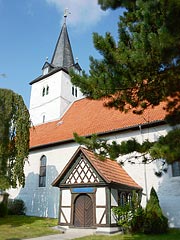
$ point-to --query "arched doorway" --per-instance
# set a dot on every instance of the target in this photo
(83, 211)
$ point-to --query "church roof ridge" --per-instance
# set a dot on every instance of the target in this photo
(56, 69)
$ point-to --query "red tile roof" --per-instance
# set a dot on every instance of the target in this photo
(109, 170)
(86, 117)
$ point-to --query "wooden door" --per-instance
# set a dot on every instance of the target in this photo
(83, 211)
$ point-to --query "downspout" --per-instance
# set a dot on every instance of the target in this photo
(145, 175)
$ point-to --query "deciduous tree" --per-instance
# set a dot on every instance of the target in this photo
(14, 139)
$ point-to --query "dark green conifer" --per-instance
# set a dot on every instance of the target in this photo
(154, 220)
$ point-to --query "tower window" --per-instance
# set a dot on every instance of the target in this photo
(43, 91)
(42, 171)
(47, 90)
(44, 117)
(74, 91)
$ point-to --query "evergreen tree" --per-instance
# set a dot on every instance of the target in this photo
(14, 138)
(141, 69)
(154, 220)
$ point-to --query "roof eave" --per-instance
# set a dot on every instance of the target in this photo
(122, 185)
(135, 127)
(57, 69)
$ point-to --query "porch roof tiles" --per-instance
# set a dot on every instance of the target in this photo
(110, 170)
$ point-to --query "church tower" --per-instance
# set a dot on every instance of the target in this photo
(52, 92)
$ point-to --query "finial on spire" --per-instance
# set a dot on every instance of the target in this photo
(66, 13)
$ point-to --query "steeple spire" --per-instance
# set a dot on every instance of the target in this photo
(63, 56)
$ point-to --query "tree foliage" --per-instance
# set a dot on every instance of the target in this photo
(130, 215)
(14, 138)
(154, 220)
(166, 148)
(139, 70)
(142, 68)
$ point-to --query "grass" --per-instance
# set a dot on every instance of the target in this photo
(173, 234)
(19, 227)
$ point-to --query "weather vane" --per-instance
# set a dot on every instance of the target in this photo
(66, 13)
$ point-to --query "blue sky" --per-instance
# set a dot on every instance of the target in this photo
(30, 29)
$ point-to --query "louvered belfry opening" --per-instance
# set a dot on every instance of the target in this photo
(83, 211)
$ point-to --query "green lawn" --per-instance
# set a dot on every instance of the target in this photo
(18, 227)
(173, 234)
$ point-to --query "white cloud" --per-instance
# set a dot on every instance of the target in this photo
(83, 13)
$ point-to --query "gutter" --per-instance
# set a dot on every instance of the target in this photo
(135, 127)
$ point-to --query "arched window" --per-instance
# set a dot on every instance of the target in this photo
(122, 198)
(42, 171)
(44, 118)
(129, 198)
(43, 91)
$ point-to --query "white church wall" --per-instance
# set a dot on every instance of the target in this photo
(165, 186)
(169, 197)
(43, 201)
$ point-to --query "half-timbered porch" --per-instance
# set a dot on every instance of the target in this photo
(89, 189)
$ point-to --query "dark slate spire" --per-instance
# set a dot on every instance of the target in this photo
(63, 56)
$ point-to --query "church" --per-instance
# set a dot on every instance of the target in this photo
(68, 182)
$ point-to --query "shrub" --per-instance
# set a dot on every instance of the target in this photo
(123, 215)
(154, 220)
(137, 221)
(130, 217)
(16, 207)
